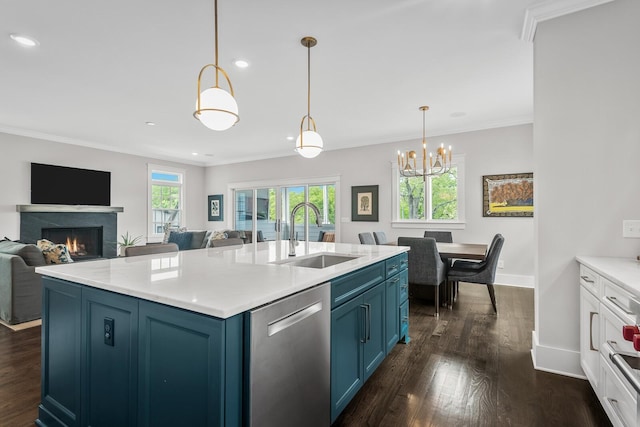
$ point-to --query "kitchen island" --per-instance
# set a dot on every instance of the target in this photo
(164, 339)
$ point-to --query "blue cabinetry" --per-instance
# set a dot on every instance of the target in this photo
(159, 365)
(366, 323)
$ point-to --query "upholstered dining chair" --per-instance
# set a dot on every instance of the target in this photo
(483, 272)
(380, 237)
(366, 238)
(426, 268)
(440, 236)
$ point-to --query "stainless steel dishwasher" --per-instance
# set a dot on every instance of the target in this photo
(289, 362)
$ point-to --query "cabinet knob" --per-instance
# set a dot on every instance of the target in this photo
(636, 342)
(628, 332)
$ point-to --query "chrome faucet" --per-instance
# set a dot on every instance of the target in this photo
(292, 232)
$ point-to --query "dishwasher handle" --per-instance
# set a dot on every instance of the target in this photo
(293, 318)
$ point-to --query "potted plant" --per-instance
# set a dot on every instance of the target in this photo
(127, 240)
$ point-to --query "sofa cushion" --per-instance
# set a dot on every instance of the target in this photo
(181, 238)
(31, 255)
(54, 253)
(197, 239)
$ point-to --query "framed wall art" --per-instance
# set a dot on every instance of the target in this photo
(507, 195)
(216, 208)
(364, 203)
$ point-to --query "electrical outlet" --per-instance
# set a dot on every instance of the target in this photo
(631, 228)
(108, 331)
(500, 263)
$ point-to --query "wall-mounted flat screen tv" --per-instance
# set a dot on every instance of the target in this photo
(61, 185)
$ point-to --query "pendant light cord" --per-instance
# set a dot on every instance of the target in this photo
(215, 22)
(308, 86)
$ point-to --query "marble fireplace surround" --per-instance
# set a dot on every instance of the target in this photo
(33, 218)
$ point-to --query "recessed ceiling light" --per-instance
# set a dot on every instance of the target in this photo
(290, 138)
(24, 40)
(194, 154)
(150, 123)
(241, 63)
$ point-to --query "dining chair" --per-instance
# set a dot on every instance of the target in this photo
(440, 236)
(483, 272)
(380, 238)
(426, 268)
(366, 238)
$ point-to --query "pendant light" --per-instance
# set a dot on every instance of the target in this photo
(309, 143)
(215, 107)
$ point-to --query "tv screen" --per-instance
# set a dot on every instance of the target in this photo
(60, 185)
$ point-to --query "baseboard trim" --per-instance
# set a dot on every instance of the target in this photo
(555, 360)
(21, 326)
(517, 280)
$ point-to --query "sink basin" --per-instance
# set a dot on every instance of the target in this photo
(318, 260)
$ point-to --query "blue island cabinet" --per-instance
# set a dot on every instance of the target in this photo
(115, 360)
(366, 322)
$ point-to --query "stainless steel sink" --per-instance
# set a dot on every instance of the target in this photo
(318, 260)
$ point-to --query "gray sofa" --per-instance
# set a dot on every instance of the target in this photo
(20, 286)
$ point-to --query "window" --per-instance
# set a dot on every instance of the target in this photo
(166, 190)
(437, 199)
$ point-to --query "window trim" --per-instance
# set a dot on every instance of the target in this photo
(152, 236)
(459, 224)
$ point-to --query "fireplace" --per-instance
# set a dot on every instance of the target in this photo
(83, 242)
(92, 228)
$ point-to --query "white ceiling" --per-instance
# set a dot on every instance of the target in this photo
(103, 69)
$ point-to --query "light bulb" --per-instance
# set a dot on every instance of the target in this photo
(218, 109)
(312, 144)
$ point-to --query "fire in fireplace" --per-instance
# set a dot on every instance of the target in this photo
(83, 242)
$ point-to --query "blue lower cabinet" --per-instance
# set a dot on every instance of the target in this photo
(114, 360)
(404, 322)
(357, 345)
(110, 360)
(392, 326)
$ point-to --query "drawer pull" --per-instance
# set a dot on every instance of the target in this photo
(614, 404)
(396, 280)
(615, 302)
(626, 370)
(591, 314)
(586, 279)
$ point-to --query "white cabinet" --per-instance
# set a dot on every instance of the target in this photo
(589, 336)
(608, 295)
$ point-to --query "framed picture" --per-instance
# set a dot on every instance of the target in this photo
(216, 208)
(364, 203)
(507, 195)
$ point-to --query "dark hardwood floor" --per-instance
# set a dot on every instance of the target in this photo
(470, 367)
(467, 368)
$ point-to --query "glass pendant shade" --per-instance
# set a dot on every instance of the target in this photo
(218, 109)
(310, 145)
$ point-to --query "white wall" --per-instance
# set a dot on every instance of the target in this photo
(586, 155)
(487, 152)
(128, 181)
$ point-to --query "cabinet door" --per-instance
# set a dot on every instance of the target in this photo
(109, 363)
(375, 345)
(589, 336)
(391, 313)
(181, 367)
(347, 337)
(61, 387)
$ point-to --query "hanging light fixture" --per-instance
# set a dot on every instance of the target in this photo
(309, 143)
(408, 163)
(215, 107)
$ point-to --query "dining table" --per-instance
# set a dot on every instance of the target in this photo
(473, 251)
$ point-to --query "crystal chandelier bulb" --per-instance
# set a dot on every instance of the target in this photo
(312, 144)
(218, 109)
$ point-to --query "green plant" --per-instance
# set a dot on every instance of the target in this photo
(127, 240)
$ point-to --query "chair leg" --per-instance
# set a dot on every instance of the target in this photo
(437, 288)
(492, 295)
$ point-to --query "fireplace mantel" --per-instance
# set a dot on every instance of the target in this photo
(69, 208)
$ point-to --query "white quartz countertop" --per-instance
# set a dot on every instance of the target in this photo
(624, 272)
(220, 282)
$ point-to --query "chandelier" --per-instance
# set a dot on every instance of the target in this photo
(309, 142)
(439, 164)
(216, 108)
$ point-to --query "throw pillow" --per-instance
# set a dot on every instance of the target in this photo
(205, 240)
(168, 228)
(197, 239)
(54, 253)
(216, 235)
(182, 239)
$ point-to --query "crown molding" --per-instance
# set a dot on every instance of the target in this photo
(550, 9)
